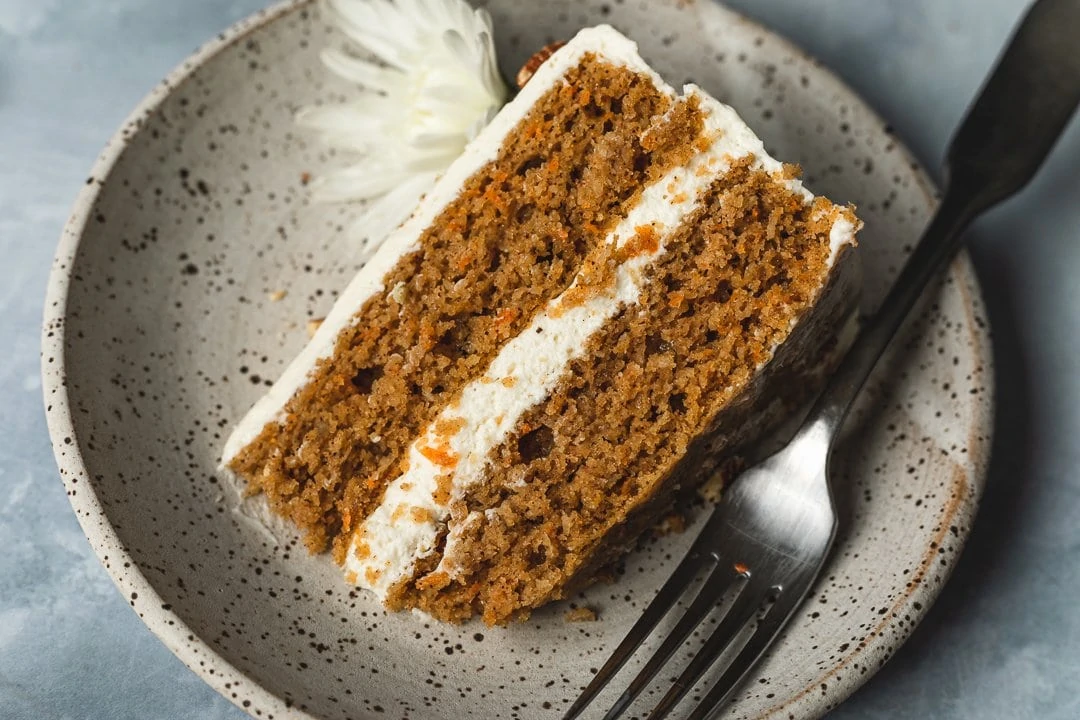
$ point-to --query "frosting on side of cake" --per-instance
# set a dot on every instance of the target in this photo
(603, 41)
(453, 452)
(841, 235)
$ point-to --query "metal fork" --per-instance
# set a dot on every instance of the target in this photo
(766, 542)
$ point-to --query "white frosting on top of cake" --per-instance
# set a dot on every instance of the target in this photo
(453, 452)
(603, 41)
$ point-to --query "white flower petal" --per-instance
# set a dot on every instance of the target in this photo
(370, 24)
(334, 119)
(455, 43)
(436, 85)
(358, 182)
(437, 140)
(350, 127)
(361, 72)
(383, 215)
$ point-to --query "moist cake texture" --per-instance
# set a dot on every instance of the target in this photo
(513, 238)
(612, 290)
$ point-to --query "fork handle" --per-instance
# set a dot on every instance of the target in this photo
(1008, 131)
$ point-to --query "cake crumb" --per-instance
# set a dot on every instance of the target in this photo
(791, 171)
(673, 523)
(313, 326)
(448, 426)
(397, 293)
(277, 295)
(712, 489)
(506, 316)
(581, 614)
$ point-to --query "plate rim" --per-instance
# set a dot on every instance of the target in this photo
(196, 653)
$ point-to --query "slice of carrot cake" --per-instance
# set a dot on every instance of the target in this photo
(609, 292)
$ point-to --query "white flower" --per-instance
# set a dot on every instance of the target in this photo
(436, 87)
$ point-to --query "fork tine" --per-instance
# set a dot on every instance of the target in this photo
(653, 614)
(715, 587)
(767, 629)
(746, 604)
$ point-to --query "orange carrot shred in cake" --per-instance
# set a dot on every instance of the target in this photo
(608, 296)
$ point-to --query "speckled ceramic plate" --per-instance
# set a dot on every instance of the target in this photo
(160, 331)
